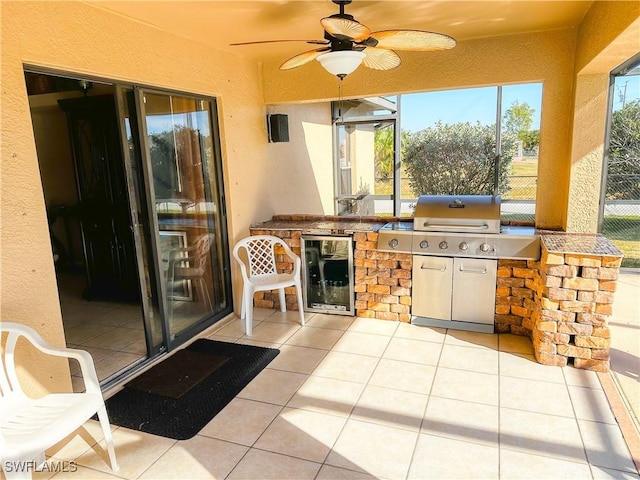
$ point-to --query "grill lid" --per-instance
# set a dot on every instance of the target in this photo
(457, 213)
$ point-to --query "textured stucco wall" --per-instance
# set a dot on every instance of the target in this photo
(302, 168)
(537, 57)
(588, 149)
(75, 37)
(608, 35)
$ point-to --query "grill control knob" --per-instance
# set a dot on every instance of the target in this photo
(424, 244)
(484, 247)
(443, 245)
(393, 243)
(463, 246)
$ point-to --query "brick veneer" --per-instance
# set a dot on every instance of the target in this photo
(382, 280)
(573, 300)
(515, 297)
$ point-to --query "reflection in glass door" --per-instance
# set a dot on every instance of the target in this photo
(185, 210)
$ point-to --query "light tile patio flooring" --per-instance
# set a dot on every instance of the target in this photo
(354, 398)
(625, 340)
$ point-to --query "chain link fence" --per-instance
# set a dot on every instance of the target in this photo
(621, 216)
(518, 202)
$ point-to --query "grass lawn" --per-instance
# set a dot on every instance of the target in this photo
(624, 232)
(523, 179)
(526, 166)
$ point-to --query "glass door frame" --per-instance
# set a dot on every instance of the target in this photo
(390, 120)
(139, 230)
(137, 226)
(152, 219)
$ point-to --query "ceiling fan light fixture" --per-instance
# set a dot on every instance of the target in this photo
(341, 63)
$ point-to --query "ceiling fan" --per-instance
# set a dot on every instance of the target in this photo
(348, 43)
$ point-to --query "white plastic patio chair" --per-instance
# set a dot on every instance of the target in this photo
(262, 274)
(28, 426)
(190, 264)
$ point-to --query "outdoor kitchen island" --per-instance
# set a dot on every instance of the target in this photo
(562, 301)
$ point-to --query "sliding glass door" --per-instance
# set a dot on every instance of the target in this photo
(181, 228)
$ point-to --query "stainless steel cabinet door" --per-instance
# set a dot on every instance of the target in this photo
(432, 284)
(474, 290)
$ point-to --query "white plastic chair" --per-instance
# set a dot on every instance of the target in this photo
(189, 264)
(28, 426)
(262, 273)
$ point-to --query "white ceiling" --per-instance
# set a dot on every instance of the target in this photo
(219, 23)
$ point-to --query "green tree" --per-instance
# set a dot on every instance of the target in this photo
(517, 121)
(457, 159)
(623, 171)
(174, 154)
(530, 140)
(384, 141)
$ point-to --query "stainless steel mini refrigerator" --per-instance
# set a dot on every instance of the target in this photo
(328, 274)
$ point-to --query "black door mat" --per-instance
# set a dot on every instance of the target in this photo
(182, 417)
(178, 374)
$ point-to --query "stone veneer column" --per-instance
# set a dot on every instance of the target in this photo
(573, 297)
(514, 296)
(382, 280)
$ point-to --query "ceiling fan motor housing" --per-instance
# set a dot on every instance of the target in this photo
(339, 44)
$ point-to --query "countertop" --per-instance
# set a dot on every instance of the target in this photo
(342, 226)
(554, 241)
(579, 243)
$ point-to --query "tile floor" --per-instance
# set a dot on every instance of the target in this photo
(354, 398)
(625, 346)
(111, 332)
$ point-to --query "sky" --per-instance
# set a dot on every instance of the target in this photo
(166, 122)
(626, 89)
(422, 110)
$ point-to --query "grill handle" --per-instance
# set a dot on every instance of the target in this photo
(484, 226)
(480, 272)
(443, 269)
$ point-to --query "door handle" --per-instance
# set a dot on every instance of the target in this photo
(444, 226)
(480, 272)
(443, 269)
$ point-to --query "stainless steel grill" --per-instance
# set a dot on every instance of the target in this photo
(459, 226)
(465, 213)
(456, 242)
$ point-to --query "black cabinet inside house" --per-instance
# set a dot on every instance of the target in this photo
(103, 206)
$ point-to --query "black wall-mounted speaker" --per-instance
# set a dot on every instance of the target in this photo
(278, 126)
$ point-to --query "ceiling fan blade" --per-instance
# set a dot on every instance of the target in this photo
(345, 29)
(413, 40)
(302, 58)
(313, 42)
(380, 58)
